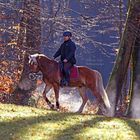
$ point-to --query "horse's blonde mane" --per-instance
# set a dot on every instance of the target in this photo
(37, 54)
(34, 56)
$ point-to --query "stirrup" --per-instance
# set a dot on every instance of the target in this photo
(63, 83)
(66, 83)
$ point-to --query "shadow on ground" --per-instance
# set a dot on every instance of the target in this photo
(18, 125)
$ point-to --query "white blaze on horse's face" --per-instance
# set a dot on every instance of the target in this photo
(33, 64)
(32, 58)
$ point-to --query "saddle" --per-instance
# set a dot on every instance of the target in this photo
(74, 73)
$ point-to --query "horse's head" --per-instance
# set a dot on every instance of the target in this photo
(33, 63)
(40, 62)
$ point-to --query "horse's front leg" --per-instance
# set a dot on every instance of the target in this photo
(46, 90)
(56, 91)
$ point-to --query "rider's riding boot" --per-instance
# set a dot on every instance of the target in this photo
(62, 82)
(67, 78)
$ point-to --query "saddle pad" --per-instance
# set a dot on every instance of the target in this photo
(74, 73)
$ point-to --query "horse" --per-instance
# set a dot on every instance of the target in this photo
(88, 79)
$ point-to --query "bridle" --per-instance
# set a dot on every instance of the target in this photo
(34, 75)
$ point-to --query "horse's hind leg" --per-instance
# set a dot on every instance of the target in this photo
(47, 89)
(82, 92)
(99, 101)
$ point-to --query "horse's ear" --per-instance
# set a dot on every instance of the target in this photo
(29, 58)
(39, 57)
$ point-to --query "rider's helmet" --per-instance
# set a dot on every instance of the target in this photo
(67, 33)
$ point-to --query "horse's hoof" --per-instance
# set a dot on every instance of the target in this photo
(99, 112)
(52, 106)
(57, 109)
(78, 112)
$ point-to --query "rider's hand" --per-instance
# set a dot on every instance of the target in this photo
(65, 60)
(53, 58)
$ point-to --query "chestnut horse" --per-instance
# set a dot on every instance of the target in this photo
(88, 79)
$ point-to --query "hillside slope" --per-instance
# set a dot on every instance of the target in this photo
(26, 123)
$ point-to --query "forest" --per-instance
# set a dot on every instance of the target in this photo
(106, 36)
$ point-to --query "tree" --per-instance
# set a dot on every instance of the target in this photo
(11, 57)
(127, 49)
(29, 41)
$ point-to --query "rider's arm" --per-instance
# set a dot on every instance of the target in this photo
(72, 51)
(58, 53)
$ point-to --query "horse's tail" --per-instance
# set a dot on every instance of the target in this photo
(103, 92)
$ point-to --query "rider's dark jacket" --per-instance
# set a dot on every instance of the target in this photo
(67, 51)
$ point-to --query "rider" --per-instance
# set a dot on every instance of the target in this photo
(67, 53)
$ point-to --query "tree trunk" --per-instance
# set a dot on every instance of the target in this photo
(117, 77)
(134, 110)
(29, 40)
